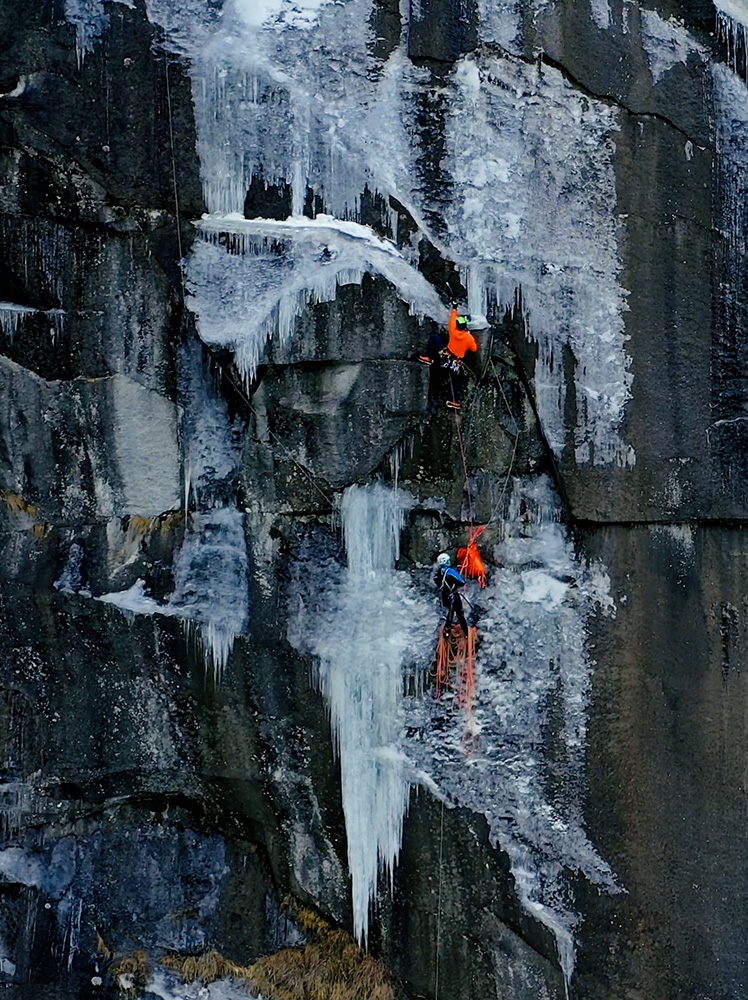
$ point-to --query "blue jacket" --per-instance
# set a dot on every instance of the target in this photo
(448, 580)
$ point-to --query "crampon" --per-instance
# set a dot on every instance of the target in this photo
(455, 671)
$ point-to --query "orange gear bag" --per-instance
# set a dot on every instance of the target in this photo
(470, 561)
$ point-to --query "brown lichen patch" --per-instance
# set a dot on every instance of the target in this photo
(101, 946)
(17, 504)
(27, 512)
(330, 967)
(206, 968)
(139, 526)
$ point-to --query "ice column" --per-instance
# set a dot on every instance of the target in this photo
(361, 650)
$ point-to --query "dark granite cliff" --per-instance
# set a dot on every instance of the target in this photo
(191, 408)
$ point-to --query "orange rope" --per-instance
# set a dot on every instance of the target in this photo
(455, 671)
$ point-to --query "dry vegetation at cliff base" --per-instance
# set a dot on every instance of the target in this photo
(330, 967)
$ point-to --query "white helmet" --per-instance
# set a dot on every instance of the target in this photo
(442, 559)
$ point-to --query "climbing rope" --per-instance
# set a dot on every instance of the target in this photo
(174, 175)
(302, 468)
(471, 563)
(439, 906)
(454, 670)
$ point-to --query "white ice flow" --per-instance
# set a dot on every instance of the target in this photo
(210, 593)
(371, 622)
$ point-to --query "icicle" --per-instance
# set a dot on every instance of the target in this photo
(90, 18)
(361, 651)
(11, 316)
(58, 325)
(732, 29)
(187, 478)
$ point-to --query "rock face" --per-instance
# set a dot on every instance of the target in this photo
(228, 231)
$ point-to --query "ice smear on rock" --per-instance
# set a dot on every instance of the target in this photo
(371, 622)
(211, 586)
(168, 986)
(667, 43)
(91, 19)
(531, 661)
(70, 580)
(210, 570)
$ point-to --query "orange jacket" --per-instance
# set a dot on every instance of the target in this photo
(460, 341)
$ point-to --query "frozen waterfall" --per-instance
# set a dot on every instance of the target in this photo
(362, 643)
(272, 107)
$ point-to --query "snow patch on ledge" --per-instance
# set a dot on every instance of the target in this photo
(169, 986)
(279, 14)
(251, 279)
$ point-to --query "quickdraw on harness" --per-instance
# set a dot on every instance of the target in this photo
(450, 361)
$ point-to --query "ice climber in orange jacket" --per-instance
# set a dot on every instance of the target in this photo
(452, 348)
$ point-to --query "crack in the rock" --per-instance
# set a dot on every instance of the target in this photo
(614, 100)
(698, 522)
(611, 99)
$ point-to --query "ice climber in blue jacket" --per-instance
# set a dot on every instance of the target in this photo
(449, 582)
